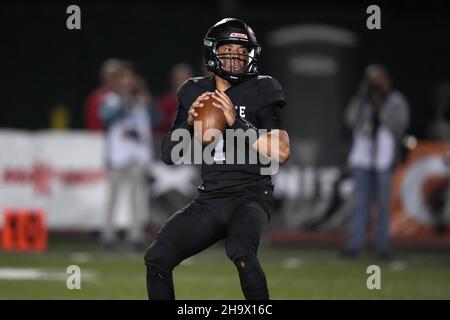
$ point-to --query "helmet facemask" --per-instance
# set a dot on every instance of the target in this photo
(236, 64)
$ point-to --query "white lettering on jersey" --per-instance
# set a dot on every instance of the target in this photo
(241, 110)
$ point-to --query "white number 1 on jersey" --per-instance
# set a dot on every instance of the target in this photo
(219, 154)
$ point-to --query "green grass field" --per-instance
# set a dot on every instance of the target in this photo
(292, 273)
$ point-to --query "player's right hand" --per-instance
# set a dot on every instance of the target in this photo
(197, 104)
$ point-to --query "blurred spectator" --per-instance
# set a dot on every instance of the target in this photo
(125, 115)
(109, 76)
(440, 126)
(167, 104)
(379, 117)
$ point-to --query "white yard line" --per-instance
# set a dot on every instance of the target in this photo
(12, 273)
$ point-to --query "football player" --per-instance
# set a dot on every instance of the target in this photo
(235, 200)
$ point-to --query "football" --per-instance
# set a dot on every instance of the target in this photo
(208, 117)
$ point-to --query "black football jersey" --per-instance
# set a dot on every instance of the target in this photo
(257, 102)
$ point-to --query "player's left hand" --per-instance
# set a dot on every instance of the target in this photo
(223, 102)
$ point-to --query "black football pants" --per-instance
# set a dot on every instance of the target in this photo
(238, 214)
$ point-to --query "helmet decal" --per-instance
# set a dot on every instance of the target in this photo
(238, 35)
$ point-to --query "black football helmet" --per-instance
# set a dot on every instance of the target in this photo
(231, 31)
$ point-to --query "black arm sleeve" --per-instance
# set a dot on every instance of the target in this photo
(180, 123)
(269, 117)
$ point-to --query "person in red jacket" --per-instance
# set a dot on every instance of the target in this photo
(167, 104)
(109, 76)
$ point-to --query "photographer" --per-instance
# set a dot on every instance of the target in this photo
(378, 117)
(125, 115)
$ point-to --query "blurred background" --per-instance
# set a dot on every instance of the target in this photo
(57, 172)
